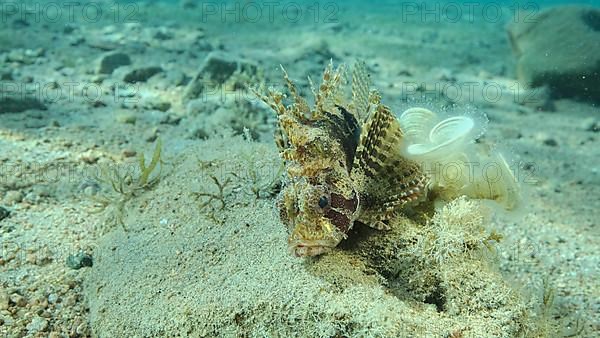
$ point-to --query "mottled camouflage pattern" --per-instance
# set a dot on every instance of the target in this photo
(343, 163)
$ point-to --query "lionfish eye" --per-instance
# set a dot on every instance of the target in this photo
(323, 202)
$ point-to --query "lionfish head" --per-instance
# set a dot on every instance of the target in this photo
(319, 216)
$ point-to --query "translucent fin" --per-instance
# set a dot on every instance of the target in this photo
(328, 90)
(386, 180)
(300, 106)
(360, 90)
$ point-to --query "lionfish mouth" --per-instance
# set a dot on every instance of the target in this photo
(309, 249)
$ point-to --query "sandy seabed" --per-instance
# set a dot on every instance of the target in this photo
(169, 260)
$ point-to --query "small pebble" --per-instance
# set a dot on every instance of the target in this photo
(129, 153)
(6, 76)
(111, 61)
(70, 300)
(591, 125)
(53, 298)
(152, 135)
(91, 190)
(31, 258)
(68, 29)
(4, 299)
(171, 119)
(98, 79)
(551, 142)
(38, 324)
(79, 260)
(89, 157)
(127, 118)
(89, 187)
(3, 213)
(18, 300)
(161, 106)
(13, 197)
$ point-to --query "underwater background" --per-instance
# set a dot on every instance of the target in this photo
(141, 180)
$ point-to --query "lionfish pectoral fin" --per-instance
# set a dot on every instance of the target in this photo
(387, 180)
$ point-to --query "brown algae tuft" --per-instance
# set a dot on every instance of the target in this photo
(126, 184)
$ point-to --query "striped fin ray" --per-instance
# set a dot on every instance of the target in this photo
(328, 91)
(387, 180)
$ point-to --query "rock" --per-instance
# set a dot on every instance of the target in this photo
(53, 298)
(4, 213)
(163, 34)
(161, 106)
(69, 28)
(98, 79)
(6, 75)
(151, 135)
(127, 118)
(198, 133)
(97, 104)
(201, 107)
(141, 74)
(539, 98)
(217, 68)
(18, 103)
(171, 119)
(79, 260)
(561, 49)
(37, 324)
(188, 4)
(129, 153)
(591, 124)
(20, 24)
(156, 103)
(102, 44)
(18, 300)
(168, 79)
(24, 56)
(89, 157)
(76, 40)
(177, 41)
(4, 299)
(316, 53)
(13, 197)
(111, 61)
(89, 187)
